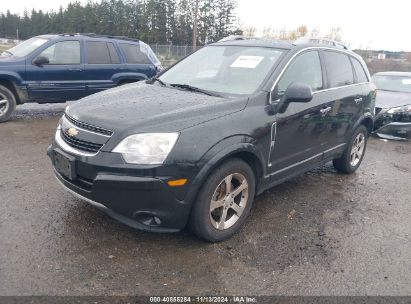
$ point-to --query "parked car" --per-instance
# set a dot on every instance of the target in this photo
(57, 68)
(195, 145)
(393, 105)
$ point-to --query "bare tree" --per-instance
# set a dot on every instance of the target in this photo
(335, 34)
(249, 31)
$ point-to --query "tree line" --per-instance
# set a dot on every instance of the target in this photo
(153, 21)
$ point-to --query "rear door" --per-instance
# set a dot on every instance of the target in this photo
(346, 97)
(102, 64)
(362, 80)
(62, 78)
(137, 62)
(300, 133)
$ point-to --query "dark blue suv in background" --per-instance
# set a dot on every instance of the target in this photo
(58, 68)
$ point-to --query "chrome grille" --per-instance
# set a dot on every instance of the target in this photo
(89, 127)
(80, 144)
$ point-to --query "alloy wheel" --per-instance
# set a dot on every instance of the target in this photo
(357, 149)
(229, 201)
(4, 104)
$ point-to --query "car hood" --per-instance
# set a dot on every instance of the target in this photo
(151, 108)
(390, 99)
(9, 60)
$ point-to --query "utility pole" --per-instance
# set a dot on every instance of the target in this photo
(195, 25)
(17, 34)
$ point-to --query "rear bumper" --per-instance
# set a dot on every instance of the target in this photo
(145, 203)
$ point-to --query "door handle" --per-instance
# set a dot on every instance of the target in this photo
(325, 111)
(75, 70)
(357, 100)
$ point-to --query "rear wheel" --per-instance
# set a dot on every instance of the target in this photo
(224, 202)
(7, 103)
(354, 153)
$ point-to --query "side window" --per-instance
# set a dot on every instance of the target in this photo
(339, 69)
(134, 54)
(99, 53)
(113, 53)
(304, 68)
(64, 52)
(359, 71)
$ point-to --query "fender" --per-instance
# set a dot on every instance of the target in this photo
(11, 76)
(118, 77)
(17, 82)
(218, 153)
(365, 116)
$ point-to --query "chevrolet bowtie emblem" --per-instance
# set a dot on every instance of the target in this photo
(72, 132)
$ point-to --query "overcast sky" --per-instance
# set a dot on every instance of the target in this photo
(364, 23)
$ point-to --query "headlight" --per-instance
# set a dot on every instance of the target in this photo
(146, 148)
(397, 110)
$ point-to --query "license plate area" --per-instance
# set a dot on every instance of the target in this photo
(64, 164)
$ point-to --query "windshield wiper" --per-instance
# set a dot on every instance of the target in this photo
(154, 79)
(193, 89)
(8, 52)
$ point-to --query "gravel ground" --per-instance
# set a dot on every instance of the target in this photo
(322, 233)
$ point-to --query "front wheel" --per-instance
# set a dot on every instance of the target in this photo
(354, 153)
(7, 103)
(224, 202)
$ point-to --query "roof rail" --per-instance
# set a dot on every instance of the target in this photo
(320, 41)
(94, 35)
(236, 37)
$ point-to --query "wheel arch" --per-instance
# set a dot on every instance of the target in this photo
(246, 151)
(365, 120)
(121, 78)
(368, 122)
(9, 84)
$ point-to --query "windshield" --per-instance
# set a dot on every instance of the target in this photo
(393, 83)
(26, 47)
(224, 69)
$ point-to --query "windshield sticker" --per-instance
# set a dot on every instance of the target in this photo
(406, 81)
(248, 62)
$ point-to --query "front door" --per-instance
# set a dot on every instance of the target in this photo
(300, 134)
(62, 78)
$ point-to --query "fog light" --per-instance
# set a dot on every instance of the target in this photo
(157, 220)
(147, 218)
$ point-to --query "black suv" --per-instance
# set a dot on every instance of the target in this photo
(195, 145)
(57, 68)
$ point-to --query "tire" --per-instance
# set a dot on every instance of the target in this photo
(207, 223)
(354, 153)
(7, 103)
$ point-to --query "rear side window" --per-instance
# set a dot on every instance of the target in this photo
(339, 69)
(305, 68)
(101, 53)
(359, 71)
(134, 54)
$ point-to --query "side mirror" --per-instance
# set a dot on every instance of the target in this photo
(296, 92)
(41, 60)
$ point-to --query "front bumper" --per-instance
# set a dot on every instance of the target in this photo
(395, 130)
(392, 126)
(142, 202)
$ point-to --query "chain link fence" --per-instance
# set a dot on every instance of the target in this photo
(169, 54)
